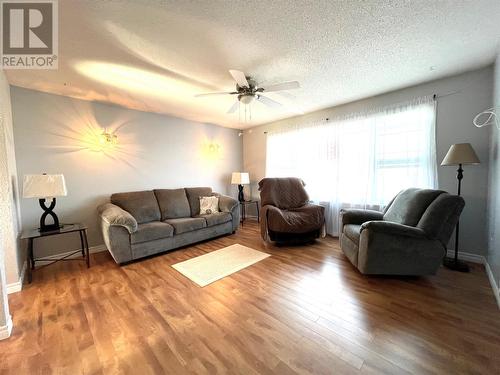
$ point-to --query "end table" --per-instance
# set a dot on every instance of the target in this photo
(31, 234)
(243, 205)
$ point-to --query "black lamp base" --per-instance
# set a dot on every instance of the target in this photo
(241, 196)
(455, 265)
(48, 211)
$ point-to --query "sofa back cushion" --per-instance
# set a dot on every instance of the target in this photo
(193, 196)
(173, 203)
(409, 205)
(142, 205)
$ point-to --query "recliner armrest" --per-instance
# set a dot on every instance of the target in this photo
(389, 227)
(116, 216)
(356, 216)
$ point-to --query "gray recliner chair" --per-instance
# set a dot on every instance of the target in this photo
(408, 238)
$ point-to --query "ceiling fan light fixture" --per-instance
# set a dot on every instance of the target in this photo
(246, 98)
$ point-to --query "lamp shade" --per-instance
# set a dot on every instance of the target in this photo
(44, 186)
(460, 153)
(240, 178)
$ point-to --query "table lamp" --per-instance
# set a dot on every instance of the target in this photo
(459, 154)
(45, 187)
(240, 179)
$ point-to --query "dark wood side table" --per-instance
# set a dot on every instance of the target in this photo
(243, 205)
(31, 234)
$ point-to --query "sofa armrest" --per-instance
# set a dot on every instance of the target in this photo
(354, 216)
(227, 204)
(116, 216)
(231, 205)
(391, 228)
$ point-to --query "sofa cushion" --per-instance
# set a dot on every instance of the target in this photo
(151, 231)
(193, 196)
(409, 205)
(352, 231)
(142, 205)
(217, 218)
(187, 224)
(173, 203)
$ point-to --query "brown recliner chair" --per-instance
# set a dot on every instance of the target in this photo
(286, 214)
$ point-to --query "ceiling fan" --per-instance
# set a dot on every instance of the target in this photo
(247, 91)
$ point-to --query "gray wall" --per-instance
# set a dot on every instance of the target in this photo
(494, 186)
(9, 200)
(56, 134)
(469, 94)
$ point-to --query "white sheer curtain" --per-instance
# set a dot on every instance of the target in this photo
(359, 161)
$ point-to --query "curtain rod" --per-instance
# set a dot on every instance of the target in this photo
(434, 97)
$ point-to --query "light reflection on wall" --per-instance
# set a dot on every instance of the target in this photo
(78, 131)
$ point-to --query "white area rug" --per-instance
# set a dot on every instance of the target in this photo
(213, 266)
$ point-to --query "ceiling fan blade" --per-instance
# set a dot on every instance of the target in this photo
(269, 102)
(215, 93)
(282, 86)
(286, 95)
(234, 107)
(240, 78)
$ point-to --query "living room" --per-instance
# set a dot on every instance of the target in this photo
(259, 187)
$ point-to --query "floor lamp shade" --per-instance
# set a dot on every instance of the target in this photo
(240, 179)
(460, 153)
(43, 187)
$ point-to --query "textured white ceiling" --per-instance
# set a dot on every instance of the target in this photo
(154, 56)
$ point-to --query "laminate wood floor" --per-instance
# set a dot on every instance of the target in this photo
(304, 310)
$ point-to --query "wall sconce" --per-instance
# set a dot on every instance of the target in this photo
(213, 148)
(108, 139)
(210, 150)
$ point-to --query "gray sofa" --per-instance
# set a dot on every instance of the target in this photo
(142, 223)
(408, 238)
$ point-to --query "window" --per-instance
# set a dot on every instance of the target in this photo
(361, 161)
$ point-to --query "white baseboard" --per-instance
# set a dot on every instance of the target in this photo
(18, 285)
(6, 330)
(493, 282)
(468, 257)
(475, 258)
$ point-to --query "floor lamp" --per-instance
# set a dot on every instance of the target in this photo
(459, 154)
